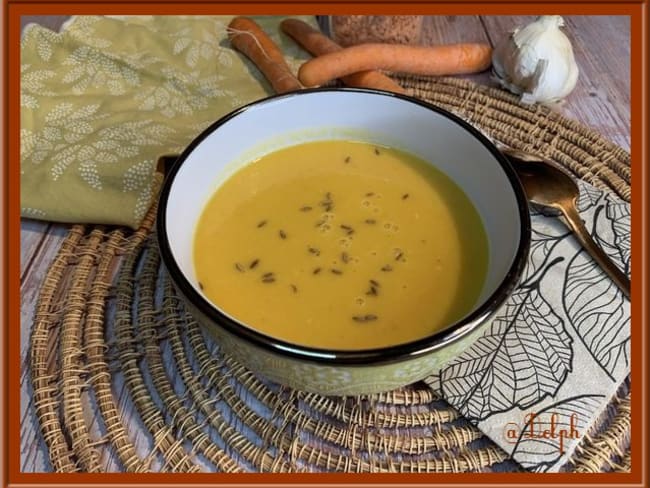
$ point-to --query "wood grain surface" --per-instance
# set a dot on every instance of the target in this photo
(601, 100)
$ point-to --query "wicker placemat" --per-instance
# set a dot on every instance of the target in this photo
(111, 336)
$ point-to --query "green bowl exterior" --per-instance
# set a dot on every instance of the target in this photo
(326, 379)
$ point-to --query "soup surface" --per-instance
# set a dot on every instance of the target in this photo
(341, 245)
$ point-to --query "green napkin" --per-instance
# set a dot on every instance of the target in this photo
(103, 99)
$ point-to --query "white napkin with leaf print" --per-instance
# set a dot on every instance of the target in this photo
(560, 347)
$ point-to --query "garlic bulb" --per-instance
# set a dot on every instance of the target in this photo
(537, 61)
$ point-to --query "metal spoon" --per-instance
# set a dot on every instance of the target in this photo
(547, 185)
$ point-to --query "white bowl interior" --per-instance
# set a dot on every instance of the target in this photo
(364, 116)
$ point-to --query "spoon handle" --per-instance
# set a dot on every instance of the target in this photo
(575, 222)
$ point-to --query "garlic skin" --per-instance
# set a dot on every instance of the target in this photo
(537, 62)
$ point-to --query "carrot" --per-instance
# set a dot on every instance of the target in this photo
(317, 44)
(248, 38)
(423, 60)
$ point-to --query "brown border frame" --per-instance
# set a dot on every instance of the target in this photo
(10, 366)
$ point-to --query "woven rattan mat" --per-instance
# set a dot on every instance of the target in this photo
(123, 378)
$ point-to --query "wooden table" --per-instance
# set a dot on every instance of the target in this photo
(601, 100)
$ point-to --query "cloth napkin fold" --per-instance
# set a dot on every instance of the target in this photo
(105, 97)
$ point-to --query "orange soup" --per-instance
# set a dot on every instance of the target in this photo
(341, 245)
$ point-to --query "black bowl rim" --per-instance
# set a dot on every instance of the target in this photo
(366, 357)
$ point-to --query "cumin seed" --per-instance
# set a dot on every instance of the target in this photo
(348, 230)
(327, 203)
(254, 263)
(283, 234)
(316, 271)
(405, 196)
(294, 288)
(270, 279)
(345, 257)
(372, 291)
(268, 275)
(377, 151)
(374, 283)
(370, 193)
(370, 221)
(239, 267)
(398, 256)
(364, 318)
(347, 159)
(387, 268)
(314, 251)
(200, 285)
(336, 271)
(261, 224)
(306, 208)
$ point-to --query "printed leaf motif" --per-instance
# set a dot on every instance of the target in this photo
(205, 45)
(46, 38)
(33, 212)
(88, 172)
(51, 134)
(33, 147)
(542, 210)
(28, 101)
(546, 235)
(64, 128)
(137, 175)
(565, 422)
(192, 56)
(181, 44)
(58, 113)
(590, 196)
(33, 85)
(138, 133)
(180, 93)
(93, 68)
(140, 178)
(524, 357)
(28, 141)
(210, 87)
(597, 309)
(129, 136)
(84, 30)
(616, 241)
(599, 313)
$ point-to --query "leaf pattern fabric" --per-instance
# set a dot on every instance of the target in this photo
(560, 345)
(597, 310)
(104, 98)
(522, 359)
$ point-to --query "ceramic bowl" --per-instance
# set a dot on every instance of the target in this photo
(431, 133)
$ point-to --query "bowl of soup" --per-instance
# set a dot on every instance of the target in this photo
(343, 241)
